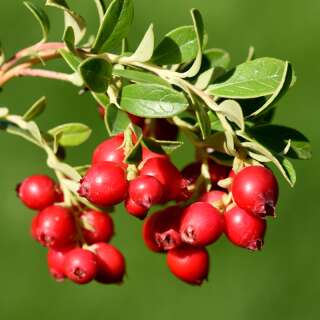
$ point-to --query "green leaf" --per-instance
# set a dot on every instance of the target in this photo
(215, 123)
(71, 18)
(152, 101)
(96, 73)
(41, 16)
(140, 76)
(36, 109)
(72, 60)
(204, 79)
(232, 110)
(116, 120)
(2, 55)
(71, 134)
(69, 39)
(178, 46)
(145, 49)
(115, 25)
(199, 30)
(275, 138)
(101, 7)
(161, 146)
(289, 169)
(3, 112)
(203, 120)
(214, 58)
(283, 87)
(252, 79)
(101, 98)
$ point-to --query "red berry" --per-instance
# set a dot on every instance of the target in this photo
(189, 264)
(164, 130)
(145, 191)
(110, 150)
(34, 225)
(148, 154)
(212, 196)
(255, 189)
(101, 226)
(191, 172)
(218, 172)
(110, 262)
(105, 184)
(80, 265)
(56, 262)
(243, 229)
(135, 209)
(138, 121)
(161, 230)
(167, 174)
(55, 227)
(38, 192)
(201, 224)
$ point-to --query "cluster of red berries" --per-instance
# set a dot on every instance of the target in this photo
(183, 232)
(64, 231)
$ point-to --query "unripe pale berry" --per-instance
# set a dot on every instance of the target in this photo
(201, 224)
(105, 184)
(111, 266)
(101, 226)
(255, 189)
(135, 209)
(161, 230)
(167, 174)
(80, 265)
(110, 150)
(145, 191)
(38, 192)
(189, 264)
(243, 229)
(55, 259)
(55, 227)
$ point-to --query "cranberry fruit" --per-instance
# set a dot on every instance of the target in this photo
(110, 150)
(191, 172)
(189, 264)
(148, 154)
(212, 196)
(161, 230)
(255, 189)
(80, 265)
(110, 262)
(243, 229)
(101, 224)
(167, 174)
(218, 172)
(56, 262)
(105, 184)
(145, 191)
(201, 224)
(135, 209)
(38, 192)
(55, 227)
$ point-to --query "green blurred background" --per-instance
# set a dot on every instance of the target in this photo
(281, 282)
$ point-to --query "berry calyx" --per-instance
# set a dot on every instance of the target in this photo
(201, 224)
(135, 209)
(110, 150)
(111, 266)
(243, 229)
(55, 227)
(161, 230)
(189, 264)
(55, 259)
(105, 184)
(98, 226)
(145, 191)
(167, 174)
(38, 192)
(80, 265)
(255, 189)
